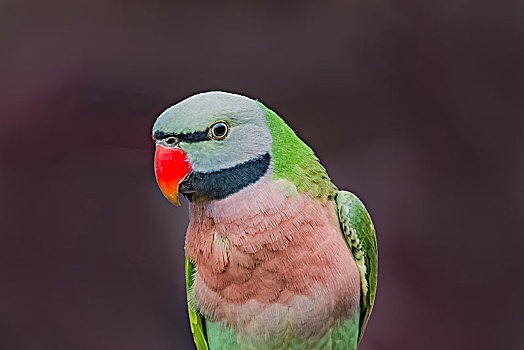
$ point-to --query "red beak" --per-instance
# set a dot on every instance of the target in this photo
(171, 167)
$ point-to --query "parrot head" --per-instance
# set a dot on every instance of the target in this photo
(210, 145)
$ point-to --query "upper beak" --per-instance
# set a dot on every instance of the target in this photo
(171, 167)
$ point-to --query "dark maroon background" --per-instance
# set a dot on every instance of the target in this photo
(417, 107)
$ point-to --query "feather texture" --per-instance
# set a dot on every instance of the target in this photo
(359, 233)
(276, 258)
(271, 263)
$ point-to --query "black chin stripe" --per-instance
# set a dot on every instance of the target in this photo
(222, 183)
(191, 137)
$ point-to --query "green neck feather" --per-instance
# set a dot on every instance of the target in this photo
(294, 161)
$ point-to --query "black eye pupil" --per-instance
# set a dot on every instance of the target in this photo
(170, 140)
(219, 129)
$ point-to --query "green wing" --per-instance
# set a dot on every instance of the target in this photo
(195, 319)
(359, 234)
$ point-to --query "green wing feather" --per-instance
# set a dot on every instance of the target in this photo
(195, 319)
(359, 234)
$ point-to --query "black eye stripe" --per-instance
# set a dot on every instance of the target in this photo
(189, 137)
(196, 136)
(217, 131)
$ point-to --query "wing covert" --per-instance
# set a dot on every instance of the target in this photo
(359, 233)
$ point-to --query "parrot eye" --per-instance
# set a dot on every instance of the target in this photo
(171, 140)
(219, 130)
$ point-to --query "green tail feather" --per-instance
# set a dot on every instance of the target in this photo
(196, 321)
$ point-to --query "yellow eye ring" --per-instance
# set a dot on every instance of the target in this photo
(219, 130)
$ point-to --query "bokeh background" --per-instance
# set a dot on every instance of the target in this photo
(417, 107)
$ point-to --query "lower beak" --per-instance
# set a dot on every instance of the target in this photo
(171, 167)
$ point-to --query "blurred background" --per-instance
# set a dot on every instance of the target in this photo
(417, 107)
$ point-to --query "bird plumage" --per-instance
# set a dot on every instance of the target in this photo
(275, 256)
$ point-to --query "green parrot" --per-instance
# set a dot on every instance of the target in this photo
(276, 256)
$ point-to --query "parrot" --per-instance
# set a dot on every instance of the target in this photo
(276, 257)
